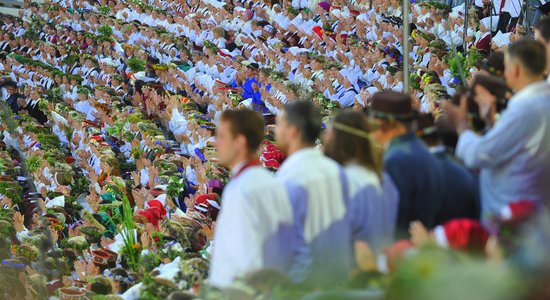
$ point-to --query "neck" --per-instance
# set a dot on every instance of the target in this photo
(295, 147)
(394, 133)
(521, 83)
(241, 159)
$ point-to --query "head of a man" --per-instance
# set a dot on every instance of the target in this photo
(542, 34)
(298, 126)
(391, 115)
(238, 136)
(524, 63)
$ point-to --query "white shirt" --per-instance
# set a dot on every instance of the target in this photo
(326, 231)
(254, 227)
(513, 7)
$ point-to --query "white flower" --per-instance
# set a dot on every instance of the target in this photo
(177, 247)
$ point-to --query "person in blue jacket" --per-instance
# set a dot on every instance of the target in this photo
(414, 170)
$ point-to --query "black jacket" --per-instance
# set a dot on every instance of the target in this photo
(12, 101)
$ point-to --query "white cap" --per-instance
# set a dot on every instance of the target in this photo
(490, 22)
(501, 39)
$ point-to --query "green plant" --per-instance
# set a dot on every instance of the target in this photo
(80, 185)
(48, 141)
(136, 65)
(131, 248)
(176, 185)
(148, 262)
(12, 190)
(92, 233)
(105, 9)
(458, 67)
(210, 46)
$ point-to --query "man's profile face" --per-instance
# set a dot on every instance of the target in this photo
(282, 129)
(226, 146)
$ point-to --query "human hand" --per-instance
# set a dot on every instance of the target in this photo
(486, 102)
(457, 115)
(419, 234)
(18, 221)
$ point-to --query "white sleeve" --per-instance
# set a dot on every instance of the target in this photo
(509, 136)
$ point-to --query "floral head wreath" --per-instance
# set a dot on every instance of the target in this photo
(119, 278)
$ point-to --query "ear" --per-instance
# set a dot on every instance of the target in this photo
(517, 70)
(242, 142)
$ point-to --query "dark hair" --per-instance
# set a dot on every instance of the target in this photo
(531, 54)
(102, 288)
(248, 123)
(10, 83)
(307, 117)
(122, 284)
(544, 28)
(494, 64)
(346, 146)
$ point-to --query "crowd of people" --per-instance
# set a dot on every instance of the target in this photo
(163, 149)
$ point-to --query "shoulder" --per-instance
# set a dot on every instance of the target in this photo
(361, 178)
(256, 179)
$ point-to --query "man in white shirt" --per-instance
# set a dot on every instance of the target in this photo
(326, 232)
(514, 155)
(255, 227)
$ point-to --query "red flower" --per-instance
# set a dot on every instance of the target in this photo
(272, 164)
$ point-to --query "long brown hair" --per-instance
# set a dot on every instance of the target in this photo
(351, 141)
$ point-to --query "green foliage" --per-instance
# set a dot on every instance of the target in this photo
(105, 30)
(105, 9)
(176, 185)
(458, 66)
(54, 155)
(293, 11)
(48, 141)
(33, 163)
(474, 57)
(55, 94)
(210, 46)
(414, 81)
(78, 243)
(92, 233)
(127, 227)
(152, 289)
(136, 65)
(148, 262)
(80, 185)
(7, 116)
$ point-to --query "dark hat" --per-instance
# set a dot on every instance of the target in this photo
(388, 104)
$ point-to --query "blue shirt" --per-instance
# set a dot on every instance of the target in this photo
(514, 156)
(256, 96)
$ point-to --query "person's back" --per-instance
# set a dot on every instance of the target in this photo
(413, 169)
(321, 211)
(373, 206)
(326, 231)
(416, 173)
(461, 191)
